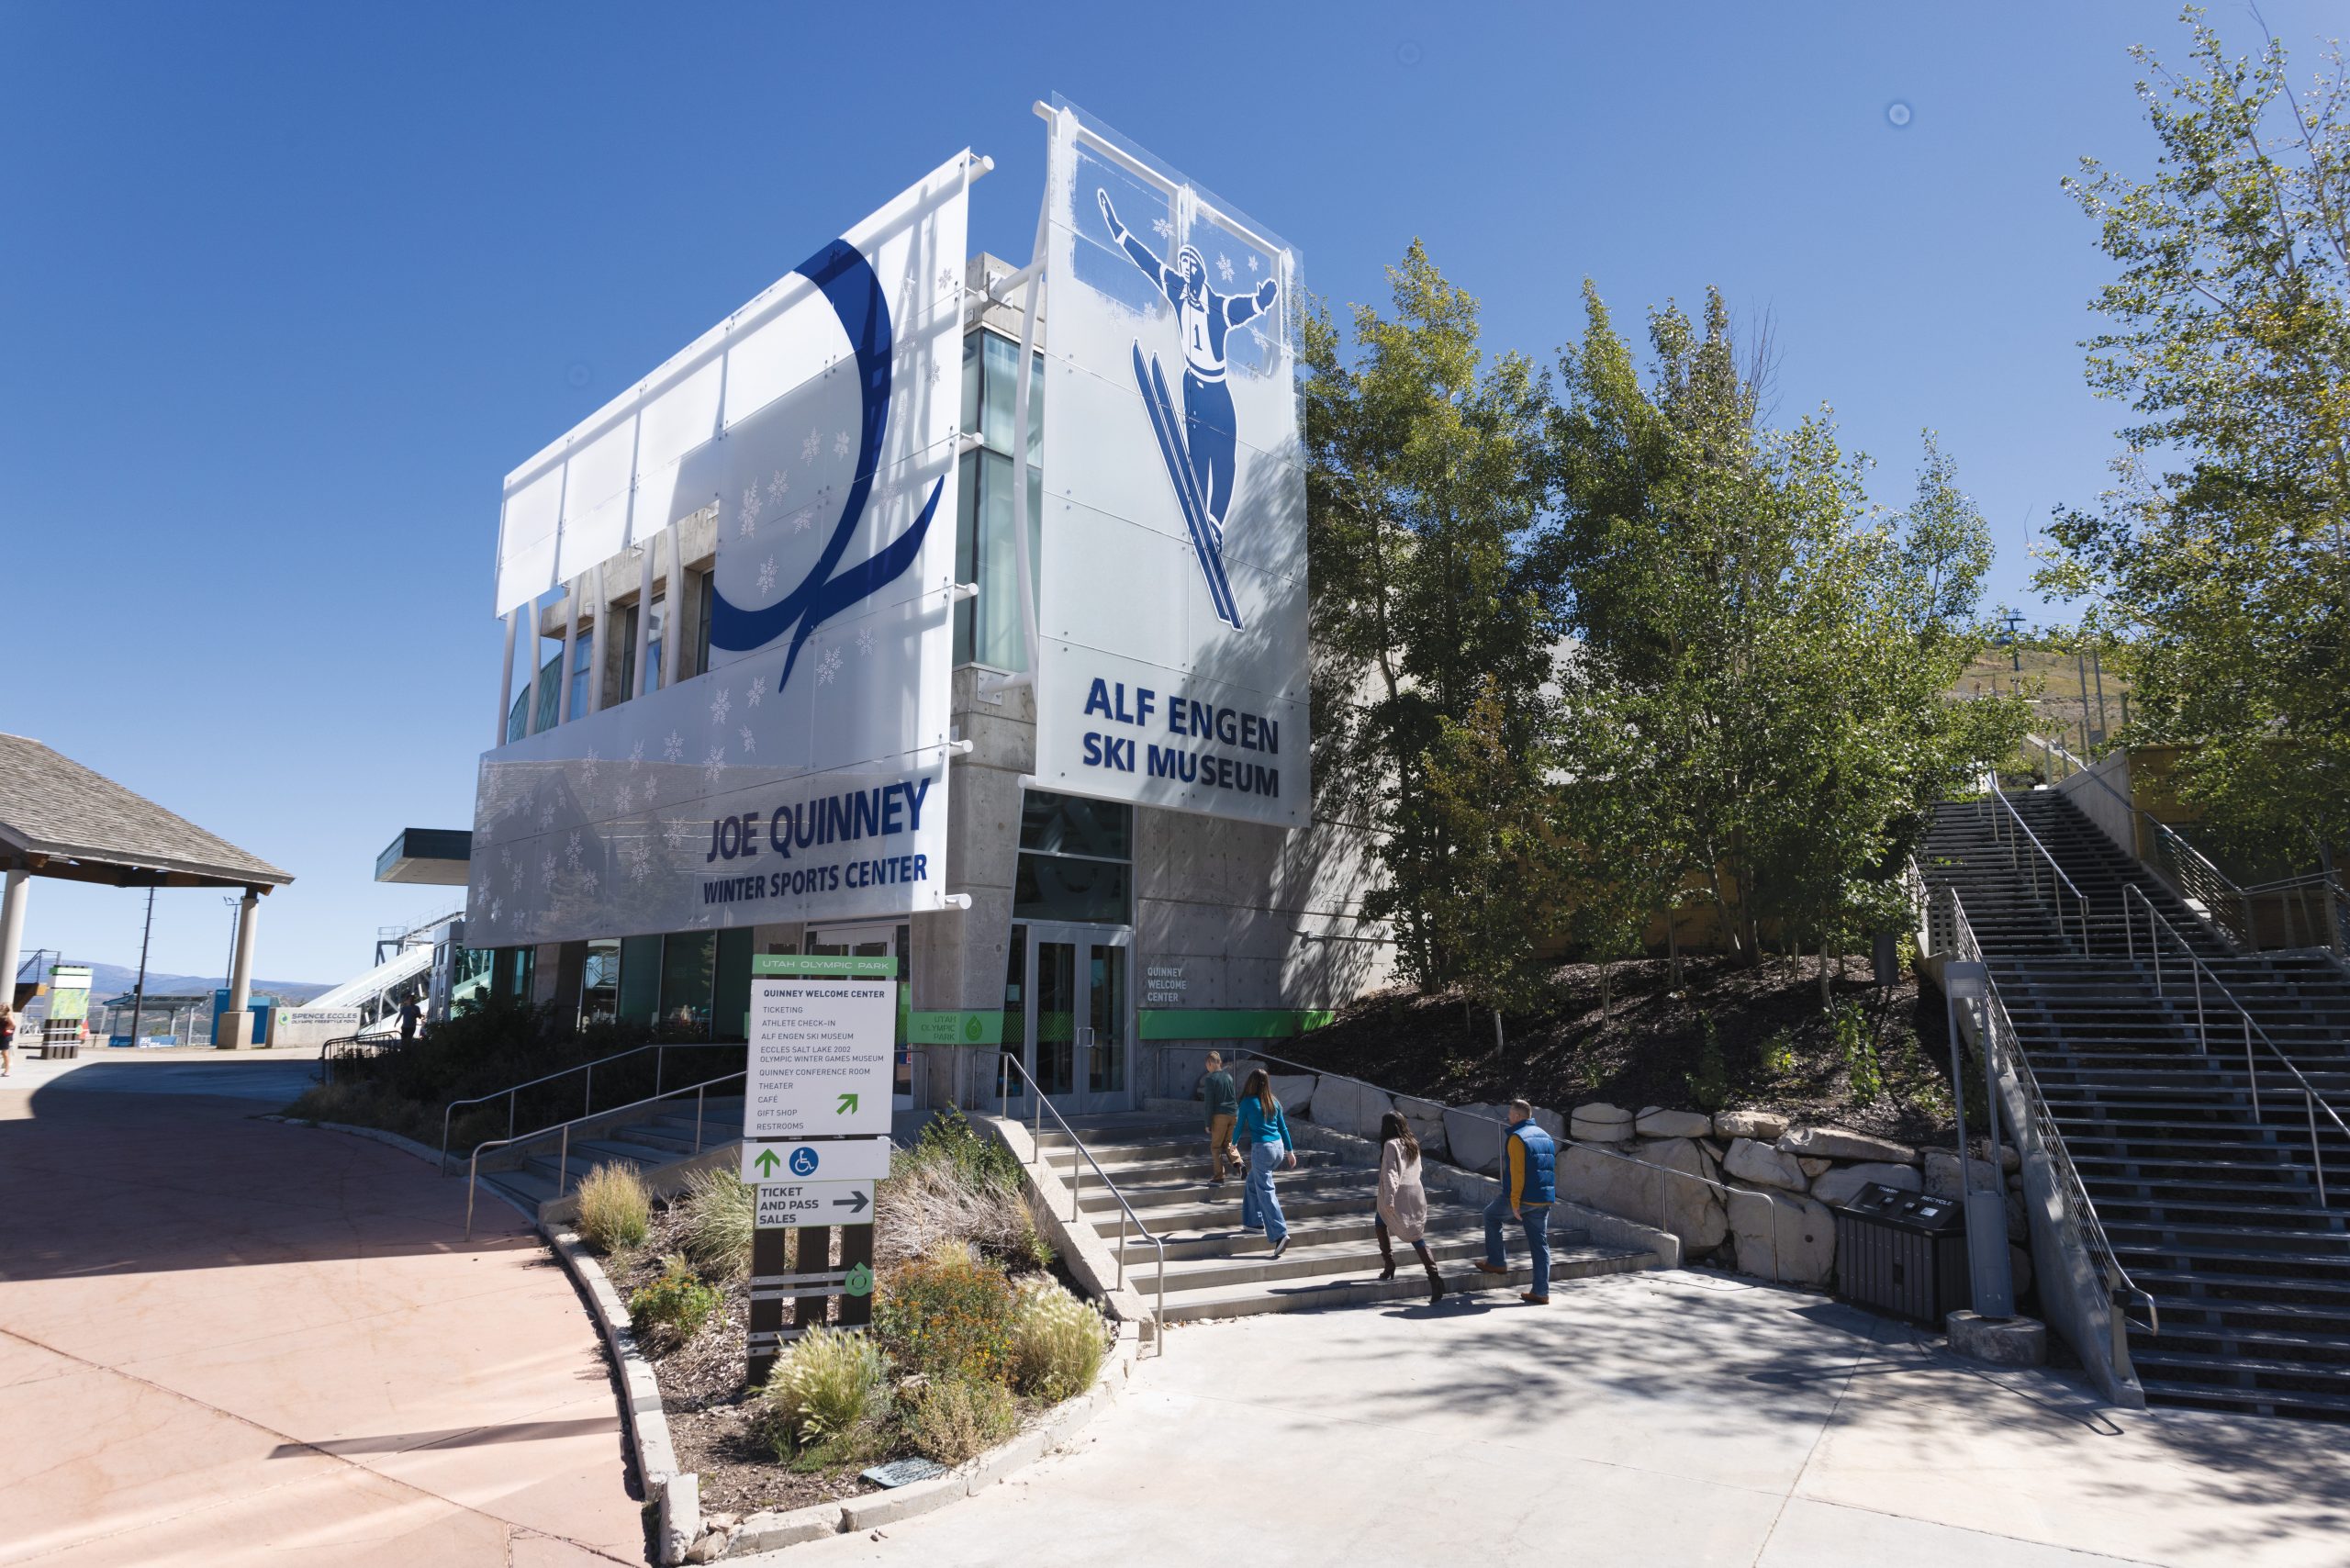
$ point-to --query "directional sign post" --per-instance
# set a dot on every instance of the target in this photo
(816, 1123)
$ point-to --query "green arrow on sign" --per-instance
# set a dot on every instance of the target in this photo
(767, 1162)
(848, 1104)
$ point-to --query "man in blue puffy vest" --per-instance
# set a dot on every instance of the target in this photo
(1529, 1186)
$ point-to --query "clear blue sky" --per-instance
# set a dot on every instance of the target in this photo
(285, 290)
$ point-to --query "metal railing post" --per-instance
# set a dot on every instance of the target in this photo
(700, 1095)
(1076, 1185)
(588, 1096)
(472, 1177)
(660, 1060)
(2202, 1034)
(1122, 1245)
(509, 1112)
(562, 1164)
(2252, 1073)
(2317, 1155)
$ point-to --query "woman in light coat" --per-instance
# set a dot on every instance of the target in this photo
(1402, 1201)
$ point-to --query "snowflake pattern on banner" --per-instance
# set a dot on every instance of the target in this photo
(808, 448)
(589, 880)
(546, 871)
(828, 667)
(720, 705)
(1163, 228)
(675, 833)
(748, 526)
(673, 748)
(652, 789)
(1252, 263)
(636, 756)
(546, 815)
(514, 883)
(865, 642)
(714, 767)
(750, 743)
(571, 854)
(639, 860)
(950, 282)
(628, 798)
(587, 766)
(767, 575)
(1223, 266)
(843, 444)
(496, 908)
(758, 689)
(803, 520)
(777, 485)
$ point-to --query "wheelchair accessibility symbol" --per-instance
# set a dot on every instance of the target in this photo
(804, 1162)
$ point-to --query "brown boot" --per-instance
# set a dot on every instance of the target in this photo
(1436, 1281)
(1387, 1255)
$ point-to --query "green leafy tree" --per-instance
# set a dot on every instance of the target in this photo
(1422, 494)
(2219, 555)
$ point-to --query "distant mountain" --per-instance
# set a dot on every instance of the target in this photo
(108, 980)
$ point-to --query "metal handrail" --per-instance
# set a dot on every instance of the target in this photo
(2197, 880)
(2333, 899)
(563, 1159)
(2003, 1046)
(587, 1091)
(1077, 1182)
(1721, 1189)
(2056, 904)
(2311, 1101)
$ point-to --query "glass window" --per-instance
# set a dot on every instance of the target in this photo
(1071, 824)
(987, 629)
(640, 979)
(622, 660)
(599, 983)
(583, 655)
(731, 991)
(688, 969)
(550, 675)
(653, 666)
(1074, 859)
(1053, 887)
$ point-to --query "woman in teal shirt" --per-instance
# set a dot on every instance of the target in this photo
(1262, 1134)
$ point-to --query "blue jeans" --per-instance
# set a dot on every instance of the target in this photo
(1259, 1208)
(1537, 1222)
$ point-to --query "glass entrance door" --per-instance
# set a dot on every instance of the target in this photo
(1068, 1014)
(875, 941)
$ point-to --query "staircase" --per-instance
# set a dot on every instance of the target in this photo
(651, 1139)
(1214, 1269)
(2213, 1210)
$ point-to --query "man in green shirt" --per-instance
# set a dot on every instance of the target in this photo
(1220, 1101)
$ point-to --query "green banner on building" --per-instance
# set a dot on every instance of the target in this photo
(795, 966)
(947, 1028)
(1230, 1023)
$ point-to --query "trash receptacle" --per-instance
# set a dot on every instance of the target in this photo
(1902, 1253)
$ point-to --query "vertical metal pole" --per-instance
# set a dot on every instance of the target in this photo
(563, 1163)
(506, 681)
(1076, 1187)
(509, 1112)
(1121, 1246)
(697, 1099)
(660, 1055)
(587, 1099)
(2202, 1034)
(2317, 1156)
(473, 1175)
(2251, 1073)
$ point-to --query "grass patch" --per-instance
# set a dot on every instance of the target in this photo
(952, 1420)
(615, 1209)
(828, 1400)
(1058, 1342)
(718, 1210)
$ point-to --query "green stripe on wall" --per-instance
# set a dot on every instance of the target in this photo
(1230, 1023)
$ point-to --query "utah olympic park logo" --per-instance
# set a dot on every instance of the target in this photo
(1199, 449)
(845, 279)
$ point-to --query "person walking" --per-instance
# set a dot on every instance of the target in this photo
(1221, 1103)
(1262, 1133)
(410, 1016)
(7, 1040)
(1402, 1201)
(1529, 1186)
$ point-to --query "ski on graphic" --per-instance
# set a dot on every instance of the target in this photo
(1164, 423)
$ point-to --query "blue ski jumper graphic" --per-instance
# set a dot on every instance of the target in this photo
(842, 274)
(1200, 450)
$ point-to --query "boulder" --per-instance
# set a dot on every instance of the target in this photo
(2019, 1231)
(1840, 1185)
(1294, 1090)
(1473, 1133)
(1942, 1173)
(1763, 1166)
(1601, 1123)
(2002, 1341)
(1803, 1233)
(1653, 1122)
(1763, 1124)
(1690, 1211)
(1813, 1170)
(1343, 1105)
(1426, 1118)
(1835, 1143)
(1715, 1147)
(2020, 1265)
(1549, 1121)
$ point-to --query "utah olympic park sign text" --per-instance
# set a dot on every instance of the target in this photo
(790, 831)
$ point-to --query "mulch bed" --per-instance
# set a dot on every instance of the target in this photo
(1777, 1044)
(711, 1407)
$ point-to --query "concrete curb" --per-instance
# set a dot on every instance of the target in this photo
(677, 1496)
(764, 1534)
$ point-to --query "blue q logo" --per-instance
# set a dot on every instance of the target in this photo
(845, 279)
(804, 1162)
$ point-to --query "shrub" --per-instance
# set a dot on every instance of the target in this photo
(672, 1309)
(948, 1314)
(1058, 1342)
(718, 1209)
(615, 1211)
(951, 1419)
(1859, 1051)
(1709, 1085)
(929, 1204)
(951, 1141)
(828, 1399)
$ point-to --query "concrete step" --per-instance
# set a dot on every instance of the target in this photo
(1569, 1261)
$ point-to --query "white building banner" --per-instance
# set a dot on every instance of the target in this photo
(1171, 614)
(804, 774)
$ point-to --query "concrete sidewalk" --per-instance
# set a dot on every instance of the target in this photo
(1676, 1418)
(229, 1340)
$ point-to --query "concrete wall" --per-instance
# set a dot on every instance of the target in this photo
(2102, 793)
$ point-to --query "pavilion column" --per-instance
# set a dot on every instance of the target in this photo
(12, 929)
(236, 1023)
